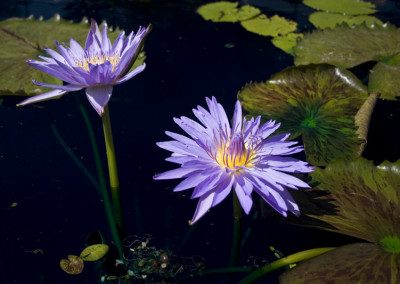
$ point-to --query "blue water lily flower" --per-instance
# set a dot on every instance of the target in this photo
(218, 157)
(95, 68)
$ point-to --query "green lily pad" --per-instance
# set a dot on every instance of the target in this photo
(367, 198)
(286, 42)
(224, 11)
(23, 39)
(325, 20)
(274, 26)
(94, 252)
(354, 263)
(347, 47)
(72, 265)
(348, 7)
(385, 79)
(318, 102)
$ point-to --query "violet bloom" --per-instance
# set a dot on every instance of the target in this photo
(95, 68)
(218, 157)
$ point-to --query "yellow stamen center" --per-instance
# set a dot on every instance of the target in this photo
(234, 154)
(97, 60)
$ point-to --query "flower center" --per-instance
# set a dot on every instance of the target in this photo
(97, 60)
(233, 154)
(390, 244)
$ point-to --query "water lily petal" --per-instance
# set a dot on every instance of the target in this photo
(131, 74)
(67, 88)
(55, 94)
(98, 97)
(203, 206)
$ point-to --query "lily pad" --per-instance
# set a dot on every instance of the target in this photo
(347, 47)
(366, 197)
(325, 20)
(348, 7)
(318, 102)
(286, 42)
(354, 263)
(367, 200)
(385, 79)
(94, 252)
(274, 26)
(23, 39)
(72, 265)
(224, 11)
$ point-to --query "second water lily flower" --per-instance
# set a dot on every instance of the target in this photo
(218, 157)
(96, 67)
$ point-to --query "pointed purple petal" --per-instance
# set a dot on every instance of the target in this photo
(203, 206)
(245, 200)
(223, 190)
(173, 174)
(55, 94)
(191, 181)
(98, 97)
(237, 118)
(131, 74)
(67, 88)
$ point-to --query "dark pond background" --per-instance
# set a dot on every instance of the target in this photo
(187, 60)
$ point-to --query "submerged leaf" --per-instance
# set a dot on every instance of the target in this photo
(385, 79)
(367, 198)
(318, 102)
(224, 11)
(325, 20)
(348, 7)
(94, 252)
(286, 42)
(347, 47)
(354, 263)
(72, 265)
(274, 26)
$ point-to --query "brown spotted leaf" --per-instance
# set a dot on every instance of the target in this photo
(366, 197)
(318, 102)
(72, 265)
(355, 263)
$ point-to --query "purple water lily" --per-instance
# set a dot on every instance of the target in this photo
(95, 68)
(219, 157)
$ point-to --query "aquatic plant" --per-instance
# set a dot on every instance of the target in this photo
(95, 68)
(366, 199)
(218, 157)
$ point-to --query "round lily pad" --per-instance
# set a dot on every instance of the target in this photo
(325, 20)
(274, 26)
(353, 263)
(94, 252)
(72, 265)
(385, 79)
(224, 11)
(348, 7)
(318, 102)
(347, 47)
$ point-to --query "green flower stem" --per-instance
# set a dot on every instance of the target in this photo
(237, 230)
(296, 257)
(112, 170)
(103, 187)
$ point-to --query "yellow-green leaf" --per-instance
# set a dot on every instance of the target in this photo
(224, 11)
(274, 26)
(286, 42)
(94, 252)
(325, 20)
(349, 7)
(385, 79)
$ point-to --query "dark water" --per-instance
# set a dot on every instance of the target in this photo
(187, 60)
